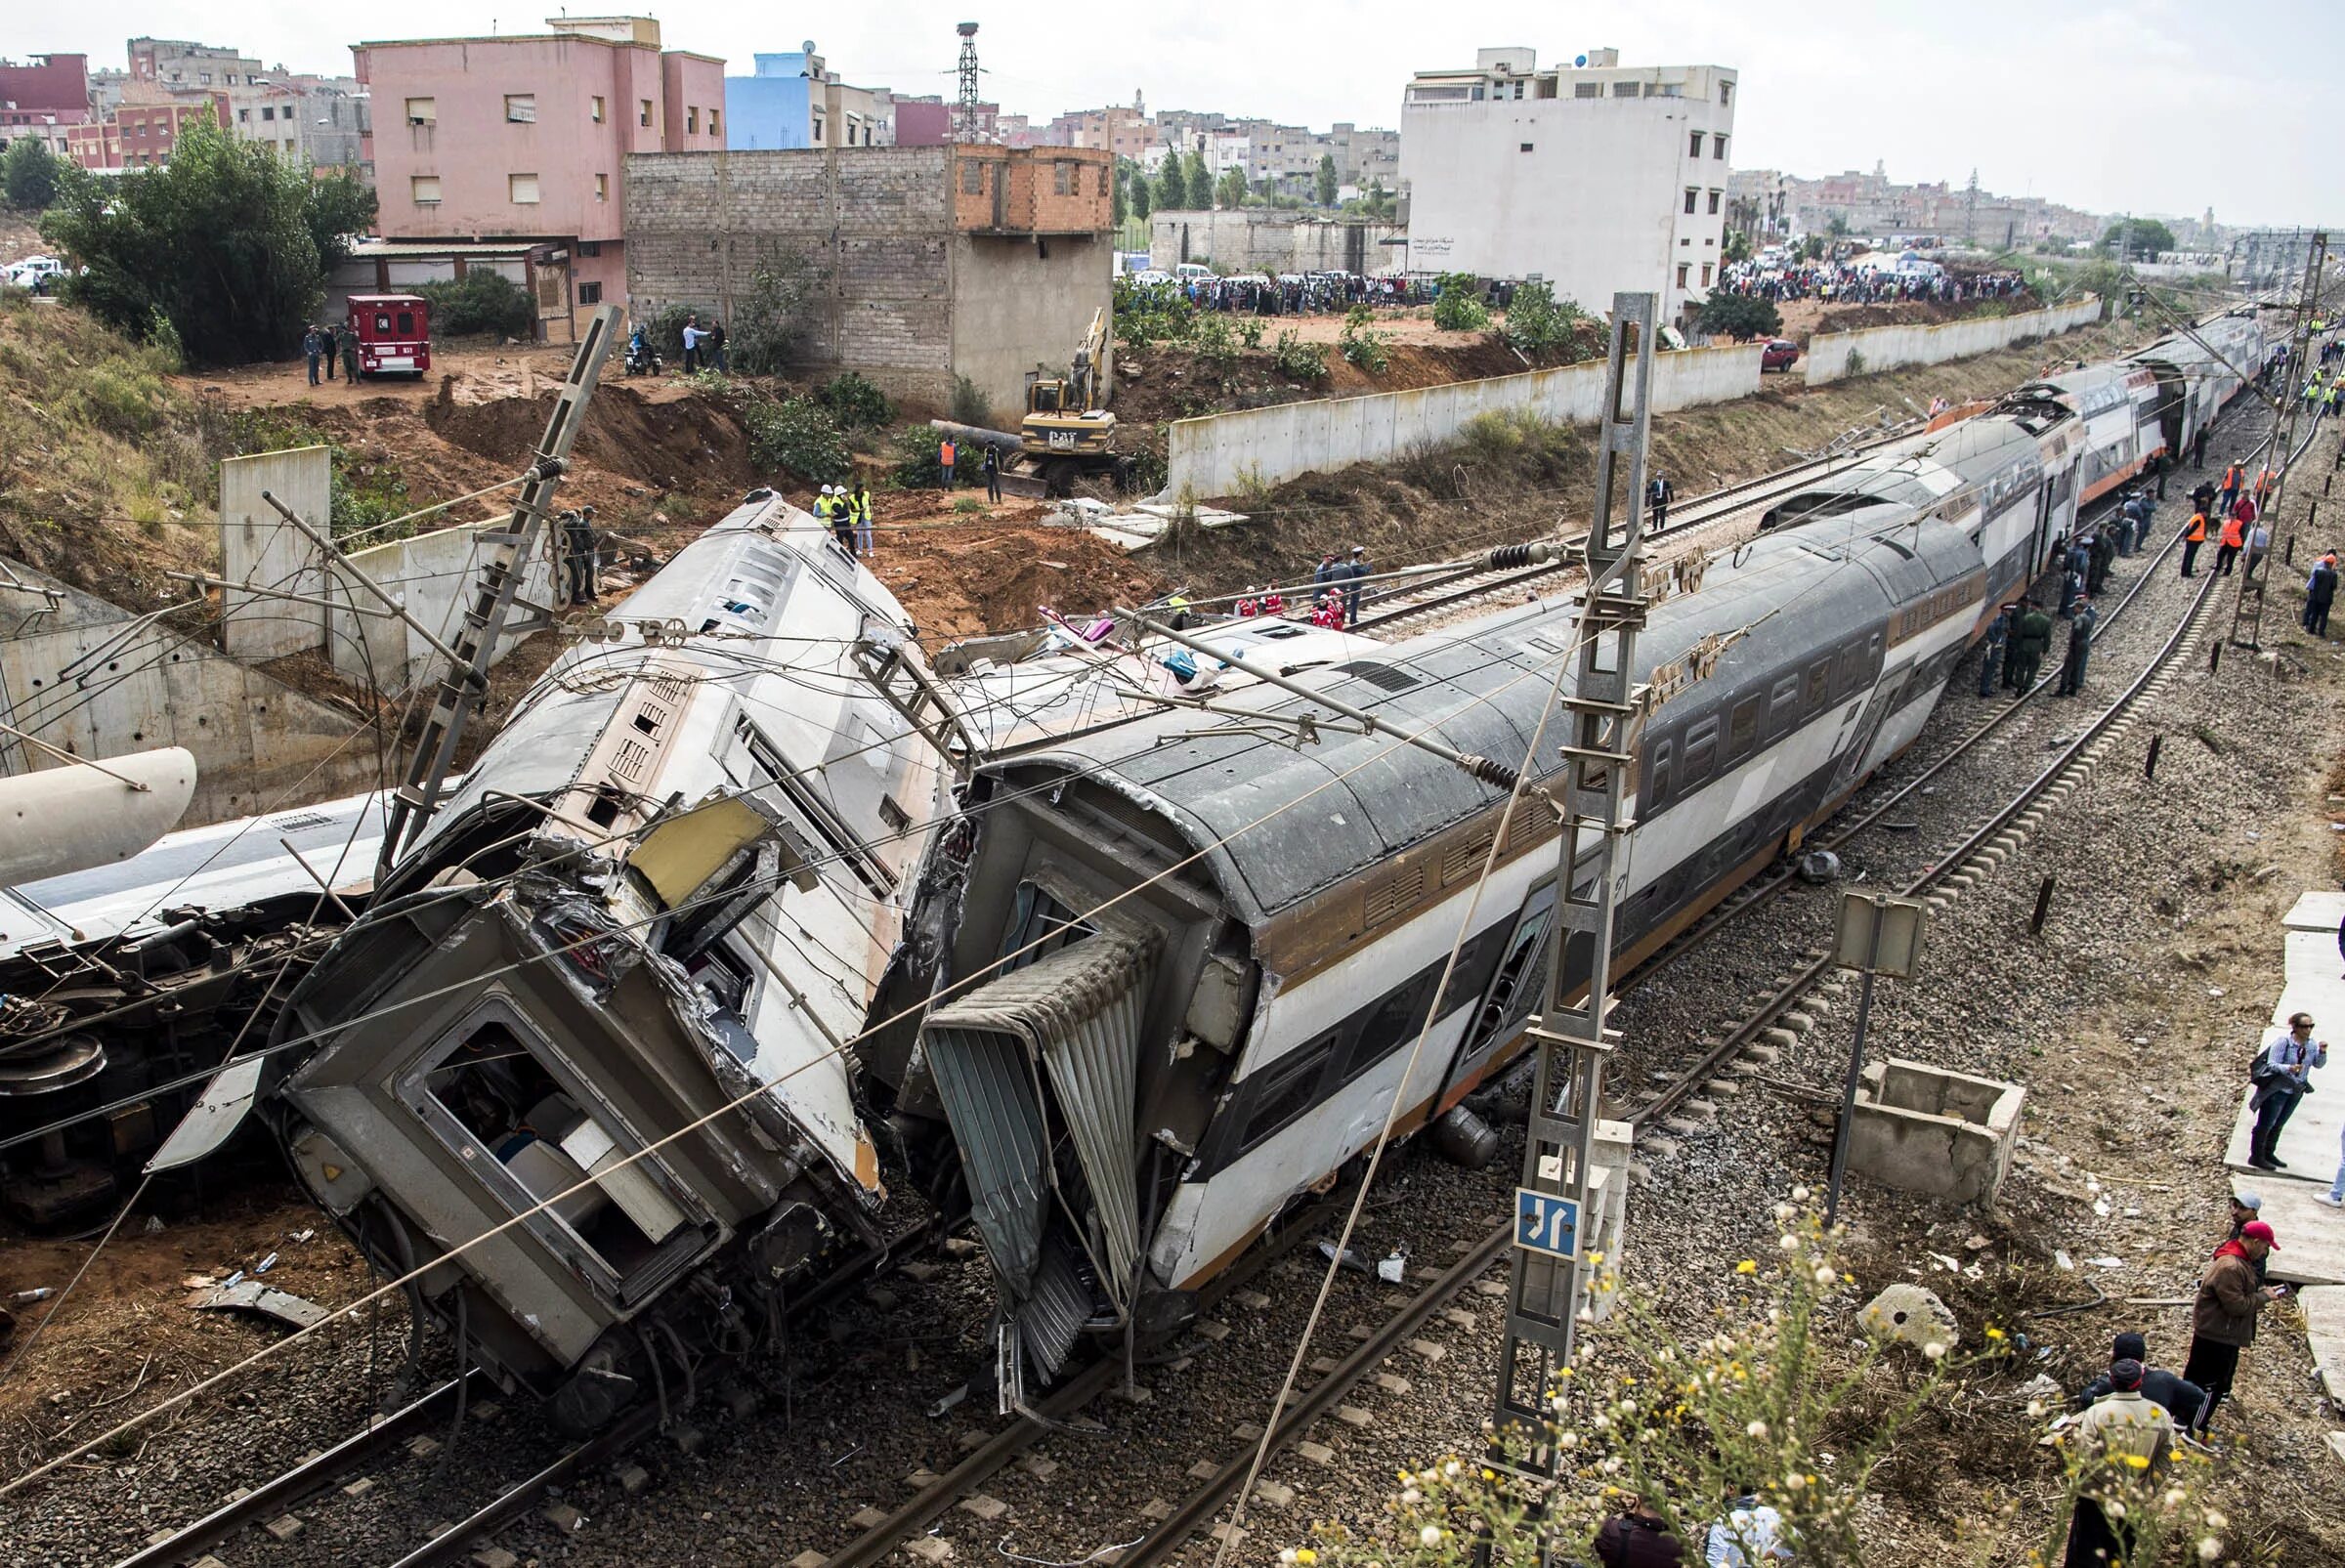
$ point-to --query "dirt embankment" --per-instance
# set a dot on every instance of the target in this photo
(1508, 482)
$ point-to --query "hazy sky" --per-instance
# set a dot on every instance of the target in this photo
(2147, 106)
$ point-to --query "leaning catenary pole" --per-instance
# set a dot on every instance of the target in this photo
(1551, 1268)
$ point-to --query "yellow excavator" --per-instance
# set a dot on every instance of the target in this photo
(1066, 430)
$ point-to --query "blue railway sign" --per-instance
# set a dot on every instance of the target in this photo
(1545, 1222)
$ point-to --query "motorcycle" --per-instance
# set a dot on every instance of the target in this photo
(643, 359)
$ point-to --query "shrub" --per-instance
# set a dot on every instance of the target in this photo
(1741, 315)
(967, 504)
(1855, 362)
(1540, 325)
(480, 302)
(968, 406)
(1362, 345)
(664, 327)
(117, 398)
(855, 403)
(770, 318)
(1249, 331)
(1773, 1402)
(1299, 360)
(1459, 308)
(912, 458)
(797, 435)
(1215, 346)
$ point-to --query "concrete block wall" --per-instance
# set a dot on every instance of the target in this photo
(1257, 240)
(876, 221)
(1222, 455)
(1886, 348)
(93, 681)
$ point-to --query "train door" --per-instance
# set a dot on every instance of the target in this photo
(1515, 989)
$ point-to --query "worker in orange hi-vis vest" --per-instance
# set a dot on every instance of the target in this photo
(2235, 479)
(2193, 537)
(2234, 534)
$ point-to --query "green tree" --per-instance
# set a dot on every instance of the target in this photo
(1198, 179)
(30, 175)
(1119, 208)
(228, 242)
(1229, 191)
(1379, 200)
(1327, 183)
(768, 320)
(1740, 315)
(2143, 240)
(1737, 246)
(1140, 197)
(1171, 185)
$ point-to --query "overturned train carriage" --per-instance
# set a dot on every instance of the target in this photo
(652, 918)
(1188, 961)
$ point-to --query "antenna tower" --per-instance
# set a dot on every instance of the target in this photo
(964, 110)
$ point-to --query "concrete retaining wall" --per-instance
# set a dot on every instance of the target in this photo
(91, 679)
(1886, 348)
(1222, 455)
(432, 574)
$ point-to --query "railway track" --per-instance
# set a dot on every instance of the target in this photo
(378, 1441)
(1470, 585)
(1967, 863)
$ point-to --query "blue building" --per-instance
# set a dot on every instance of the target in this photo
(771, 109)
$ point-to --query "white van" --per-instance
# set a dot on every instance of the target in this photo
(1188, 270)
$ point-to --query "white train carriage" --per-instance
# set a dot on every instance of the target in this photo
(1144, 1086)
(2198, 376)
(655, 910)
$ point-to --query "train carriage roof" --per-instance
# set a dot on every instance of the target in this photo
(1480, 689)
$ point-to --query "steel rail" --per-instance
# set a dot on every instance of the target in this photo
(1703, 511)
(1195, 1512)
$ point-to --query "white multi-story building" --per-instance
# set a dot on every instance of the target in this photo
(1593, 176)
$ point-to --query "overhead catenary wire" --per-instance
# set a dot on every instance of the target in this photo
(277, 1347)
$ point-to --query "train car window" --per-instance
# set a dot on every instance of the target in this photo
(1657, 770)
(1848, 670)
(1742, 728)
(1393, 1024)
(1820, 685)
(1288, 1088)
(1783, 707)
(1701, 751)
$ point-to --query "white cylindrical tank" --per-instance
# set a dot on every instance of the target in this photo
(71, 818)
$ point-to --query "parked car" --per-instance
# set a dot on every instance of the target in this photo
(1778, 354)
(25, 273)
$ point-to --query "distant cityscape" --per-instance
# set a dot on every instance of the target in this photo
(518, 152)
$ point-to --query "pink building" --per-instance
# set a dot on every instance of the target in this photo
(526, 137)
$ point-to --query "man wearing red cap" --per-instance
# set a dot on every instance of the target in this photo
(2223, 1318)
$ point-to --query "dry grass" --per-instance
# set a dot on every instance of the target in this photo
(105, 477)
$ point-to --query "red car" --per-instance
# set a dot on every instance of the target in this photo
(394, 333)
(1778, 354)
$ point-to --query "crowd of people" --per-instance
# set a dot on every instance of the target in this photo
(1333, 600)
(1844, 284)
(1301, 294)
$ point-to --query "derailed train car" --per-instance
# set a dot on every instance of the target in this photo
(1185, 967)
(1182, 969)
(651, 918)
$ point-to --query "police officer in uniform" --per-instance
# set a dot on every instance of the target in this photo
(579, 554)
(2031, 636)
(2081, 619)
